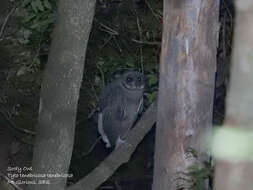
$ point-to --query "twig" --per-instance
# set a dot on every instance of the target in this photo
(228, 12)
(140, 36)
(112, 33)
(107, 187)
(106, 42)
(146, 42)
(13, 125)
(160, 14)
(157, 16)
(108, 29)
(37, 53)
(9, 181)
(6, 21)
(102, 75)
(117, 44)
(92, 147)
(117, 185)
(95, 92)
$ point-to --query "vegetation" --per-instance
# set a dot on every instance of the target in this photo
(125, 35)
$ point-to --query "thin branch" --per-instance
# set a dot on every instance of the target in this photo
(107, 41)
(108, 29)
(140, 36)
(112, 33)
(5, 22)
(13, 125)
(117, 44)
(157, 16)
(9, 181)
(102, 75)
(37, 53)
(146, 42)
(92, 147)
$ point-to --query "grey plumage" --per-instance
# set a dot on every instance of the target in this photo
(119, 105)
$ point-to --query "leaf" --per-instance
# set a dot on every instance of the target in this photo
(26, 3)
(46, 22)
(22, 70)
(34, 6)
(35, 25)
(37, 6)
(47, 4)
(152, 79)
(28, 19)
(40, 5)
(97, 80)
(130, 64)
(27, 34)
(151, 96)
(51, 18)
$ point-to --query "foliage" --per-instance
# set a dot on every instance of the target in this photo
(197, 176)
(38, 24)
(113, 40)
(41, 15)
(152, 87)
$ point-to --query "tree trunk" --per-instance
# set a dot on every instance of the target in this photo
(187, 80)
(60, 92)
(238, 175)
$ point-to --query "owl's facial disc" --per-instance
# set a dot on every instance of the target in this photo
(133, 81)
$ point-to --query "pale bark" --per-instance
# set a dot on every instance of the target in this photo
(186, 87)
(60, 92)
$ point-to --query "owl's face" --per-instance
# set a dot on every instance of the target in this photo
(133, 80)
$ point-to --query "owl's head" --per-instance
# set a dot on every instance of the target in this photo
(133, 80)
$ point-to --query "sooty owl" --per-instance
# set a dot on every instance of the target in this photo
(120, 102)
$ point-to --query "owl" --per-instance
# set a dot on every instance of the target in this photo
(119, 104)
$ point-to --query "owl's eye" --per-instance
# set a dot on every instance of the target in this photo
(139, 79)
(129, 79)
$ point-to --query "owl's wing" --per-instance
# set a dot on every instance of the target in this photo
(107, 95)
(110, 107)
(112, 98)
(121, 114)
(111, 124)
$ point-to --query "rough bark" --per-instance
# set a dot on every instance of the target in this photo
(238, 175)
(186, 87)
(60, 92)
(121, 155)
